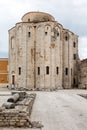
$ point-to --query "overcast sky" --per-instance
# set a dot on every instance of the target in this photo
(72, 14)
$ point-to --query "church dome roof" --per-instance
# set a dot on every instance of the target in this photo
(37, 17)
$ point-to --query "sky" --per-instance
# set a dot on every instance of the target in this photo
(72, 14)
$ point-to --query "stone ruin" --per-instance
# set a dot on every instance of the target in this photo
(34, 89)
(17, 110)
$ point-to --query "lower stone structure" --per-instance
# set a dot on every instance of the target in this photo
(20, 116)
(13, 118)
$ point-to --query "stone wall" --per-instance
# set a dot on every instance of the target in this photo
(83, 74)
(13, 118)
(20, 115)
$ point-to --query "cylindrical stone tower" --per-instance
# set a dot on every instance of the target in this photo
(40, 53)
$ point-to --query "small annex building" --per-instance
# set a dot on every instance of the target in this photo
(3, 71)
(82, 75)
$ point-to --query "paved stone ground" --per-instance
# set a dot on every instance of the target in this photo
(17, 129)
(62, 110)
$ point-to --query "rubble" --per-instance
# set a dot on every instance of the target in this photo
(8, 105)
(14, 98)
(38, 89)
(20, 115)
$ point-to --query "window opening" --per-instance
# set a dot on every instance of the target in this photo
(29, 34)
(57, 70)
(74, 56)
(58, 34)
(19, 70)
(38, 70)
(74, 44)
(66, 38)
(28, 20)
(66, 71)
(47, 69)
(45, 33)
(74, 81)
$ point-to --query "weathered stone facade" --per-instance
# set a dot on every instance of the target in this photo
(83, 74)
(42, 54)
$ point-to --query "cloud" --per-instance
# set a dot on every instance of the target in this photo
(83, 47)
(3, 54)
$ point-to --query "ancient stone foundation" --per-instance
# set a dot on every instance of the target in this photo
(20, 115)
(13, 118)
(36, 89)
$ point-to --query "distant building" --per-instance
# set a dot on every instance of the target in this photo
(83, 74)
(42, 54)
(3, 70)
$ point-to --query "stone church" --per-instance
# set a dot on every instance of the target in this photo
(42, 54)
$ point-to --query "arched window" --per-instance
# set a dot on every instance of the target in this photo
(57, 34)
(74, 44)
(66, 38)
(66, 71)
(29, 34)
(19, 70)
(47, 69)
(74, 81)
(45, 33)
(57, 70)
(28, 20)
(38, 70)
(74, 56)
